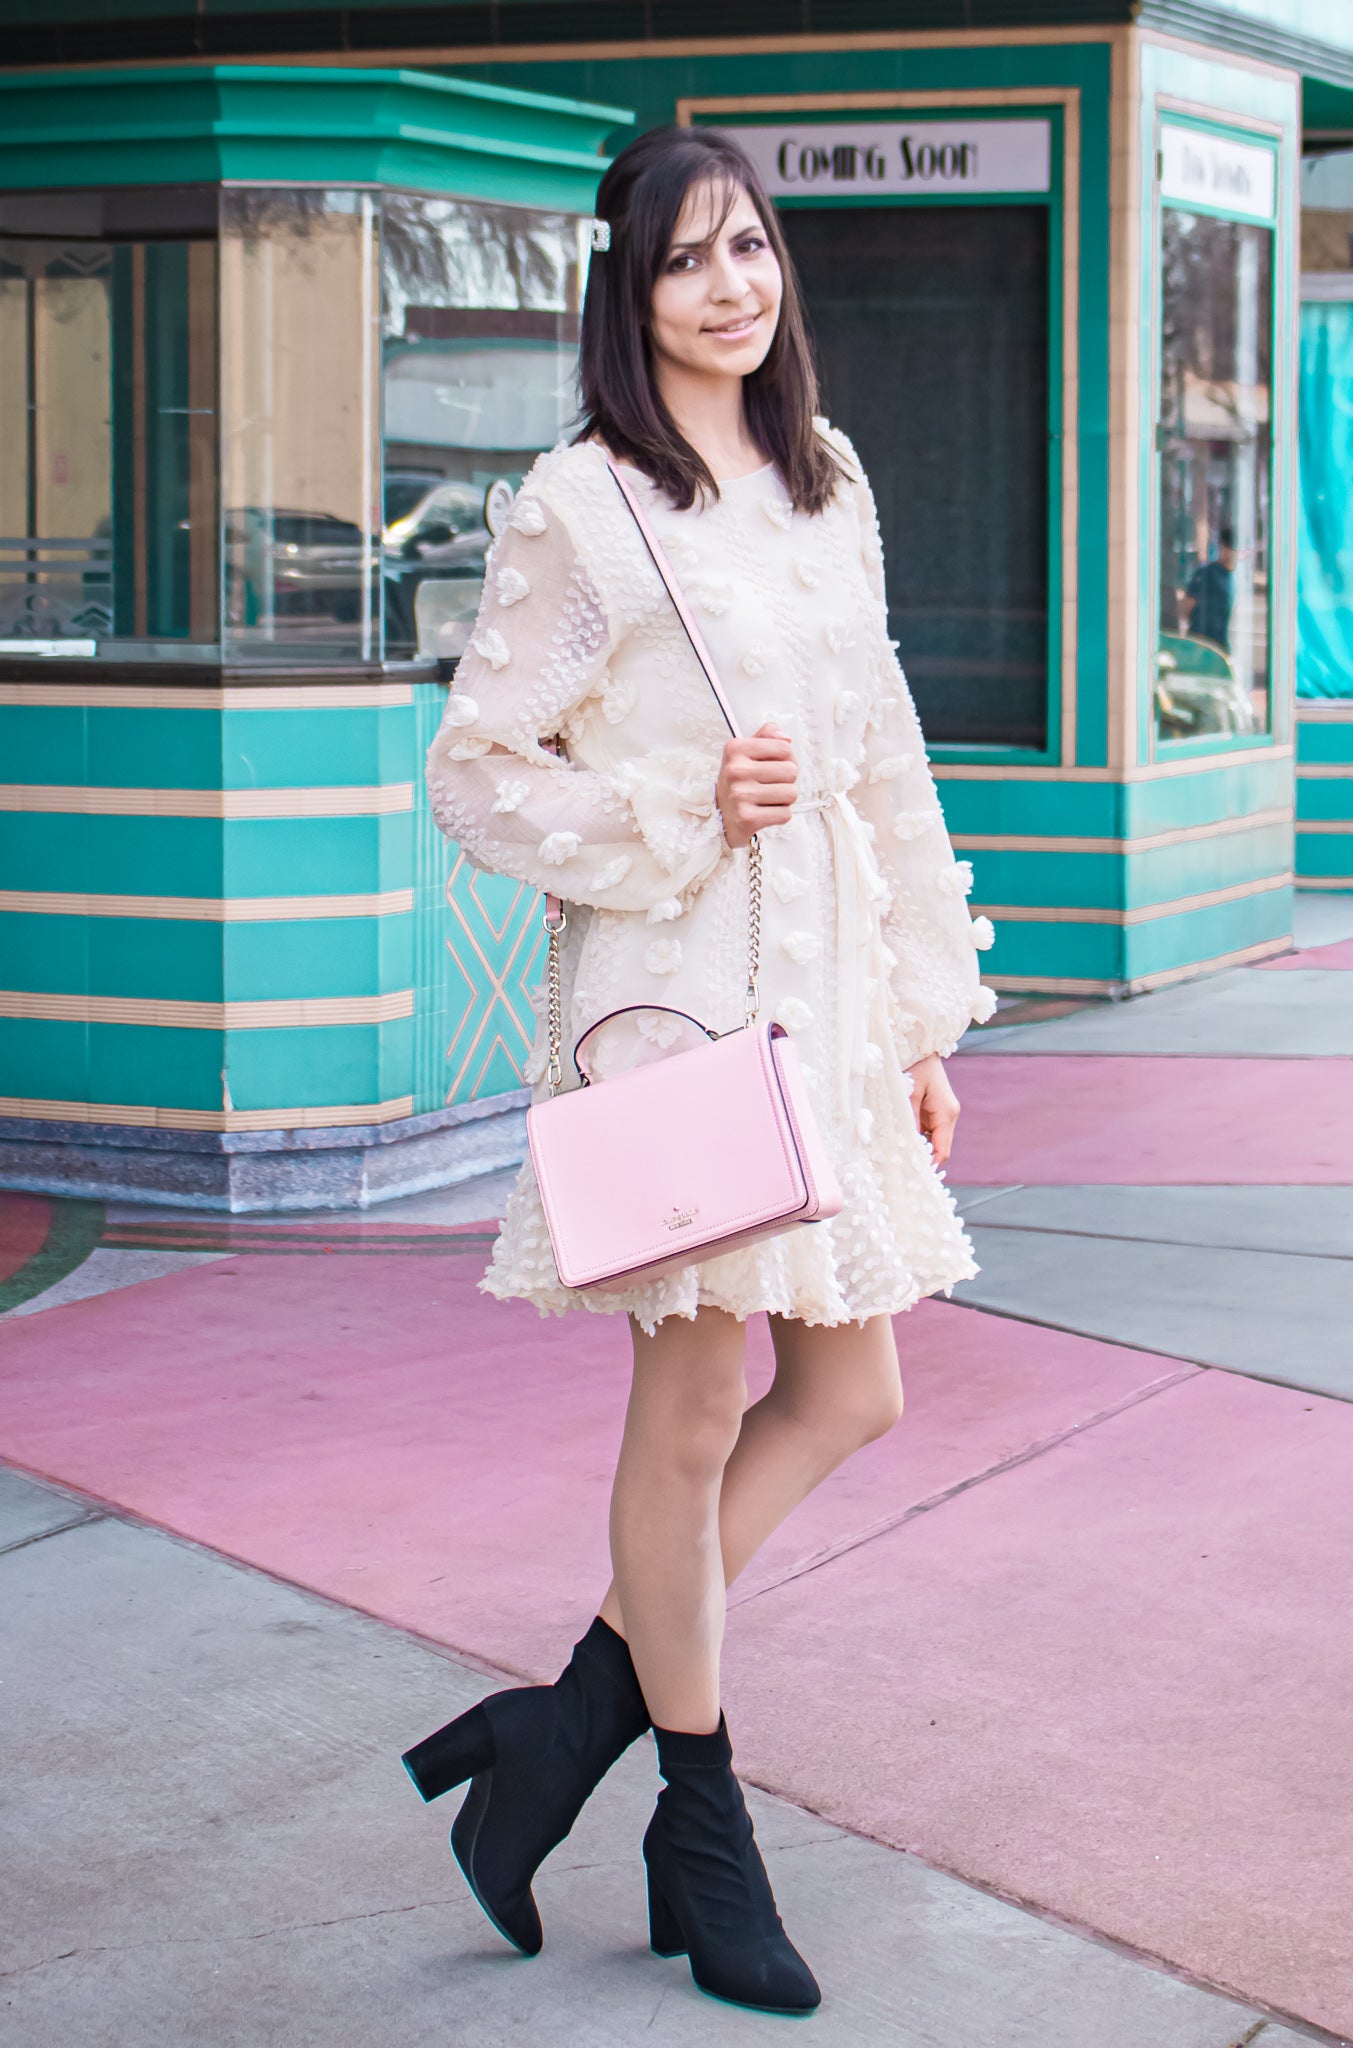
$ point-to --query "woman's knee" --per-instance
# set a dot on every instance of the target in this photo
(843, 1386)
(691, 1397)
(880, 1413)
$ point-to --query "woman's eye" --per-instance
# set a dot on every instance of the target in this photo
(679, 263)
(751, 245)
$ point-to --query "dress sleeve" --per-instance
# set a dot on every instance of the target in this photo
(933, 939)
(635, 839)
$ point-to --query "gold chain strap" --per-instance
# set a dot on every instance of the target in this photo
(556, 927)
(753, 931)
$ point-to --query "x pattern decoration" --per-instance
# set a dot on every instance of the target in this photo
(495, 956)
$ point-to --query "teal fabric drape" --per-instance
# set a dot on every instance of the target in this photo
(1325, 546)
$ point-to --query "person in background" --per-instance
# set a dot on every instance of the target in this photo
(1211, 594)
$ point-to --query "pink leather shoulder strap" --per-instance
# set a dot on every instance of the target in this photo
(674, 591)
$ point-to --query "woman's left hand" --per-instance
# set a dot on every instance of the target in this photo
(934, 1105)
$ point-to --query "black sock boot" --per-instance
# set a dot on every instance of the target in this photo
(708, 1893)
(533, 1755)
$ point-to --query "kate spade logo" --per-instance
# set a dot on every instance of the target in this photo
(681, 1219)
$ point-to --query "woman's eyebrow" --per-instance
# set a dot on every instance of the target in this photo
(707, 241)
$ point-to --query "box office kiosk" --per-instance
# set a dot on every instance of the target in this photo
(276, 347)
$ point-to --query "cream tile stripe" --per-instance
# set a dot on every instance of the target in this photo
(357, 801)
(1014, 842)
(859, 102)
(227, 697)
(1344, 825)
(296, 1013)
(1192, 764)
(1325, 881)
(1046, 913)
(206, 909)
(1125, 343)
(1324, 771)
(338, 1116)
(1334, 711)
(1069, 99)
(1048, 985)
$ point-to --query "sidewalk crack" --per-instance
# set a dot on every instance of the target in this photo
(131, 1948)
(76, 1522)
(885, 1524)
(1263, 1251)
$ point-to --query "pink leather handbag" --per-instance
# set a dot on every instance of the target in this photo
(689, 1156)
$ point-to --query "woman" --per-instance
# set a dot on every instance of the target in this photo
(696, 375)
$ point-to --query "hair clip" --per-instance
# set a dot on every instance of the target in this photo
(601, 234)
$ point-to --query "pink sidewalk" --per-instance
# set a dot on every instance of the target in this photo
(1093, 1651)
(1073, 1119)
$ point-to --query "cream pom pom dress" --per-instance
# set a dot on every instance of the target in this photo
(868, 953)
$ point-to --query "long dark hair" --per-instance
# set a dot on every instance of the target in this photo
(640, 198)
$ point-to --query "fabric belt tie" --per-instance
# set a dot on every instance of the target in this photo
(863, 960)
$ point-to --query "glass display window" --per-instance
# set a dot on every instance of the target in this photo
(1214, 442)
(108, 472)
(300, 447)
(479, 343)
(270, 426)
(1325, 409)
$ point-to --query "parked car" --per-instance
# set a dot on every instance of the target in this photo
(1198, 691)
(443, 537)
(310, 562)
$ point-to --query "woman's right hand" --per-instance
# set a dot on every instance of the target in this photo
(758, 783)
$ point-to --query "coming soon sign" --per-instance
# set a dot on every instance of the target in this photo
(911, 159)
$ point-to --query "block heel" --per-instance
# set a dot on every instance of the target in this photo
(460, 1750)
(533, 1755)
(665, 1937)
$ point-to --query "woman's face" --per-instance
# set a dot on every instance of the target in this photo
(717, 298)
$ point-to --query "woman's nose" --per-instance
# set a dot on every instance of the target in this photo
(725, 282)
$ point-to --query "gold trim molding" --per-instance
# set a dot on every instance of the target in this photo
(207, 909)
(1147, 913)
(103, 801)
(1192, 764)
(1142, 984)
(421, 58)
(1222, 828)
(289, 1013)
(226, 697)
(338, 1116)
(1325, 710)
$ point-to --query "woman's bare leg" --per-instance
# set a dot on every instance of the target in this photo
(683, 1419)
(834, 1391)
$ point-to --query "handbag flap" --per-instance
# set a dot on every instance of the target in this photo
(684, 1150)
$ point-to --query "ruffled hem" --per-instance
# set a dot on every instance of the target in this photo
(862, 1263)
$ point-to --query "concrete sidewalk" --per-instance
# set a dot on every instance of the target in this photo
(210, 1840)
(1052, 1683)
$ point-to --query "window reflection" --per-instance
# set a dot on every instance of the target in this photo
(479, 348)
(299, 448)
(108, 444)
(1215, 440)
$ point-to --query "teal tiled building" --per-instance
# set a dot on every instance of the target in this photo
(288, 301)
